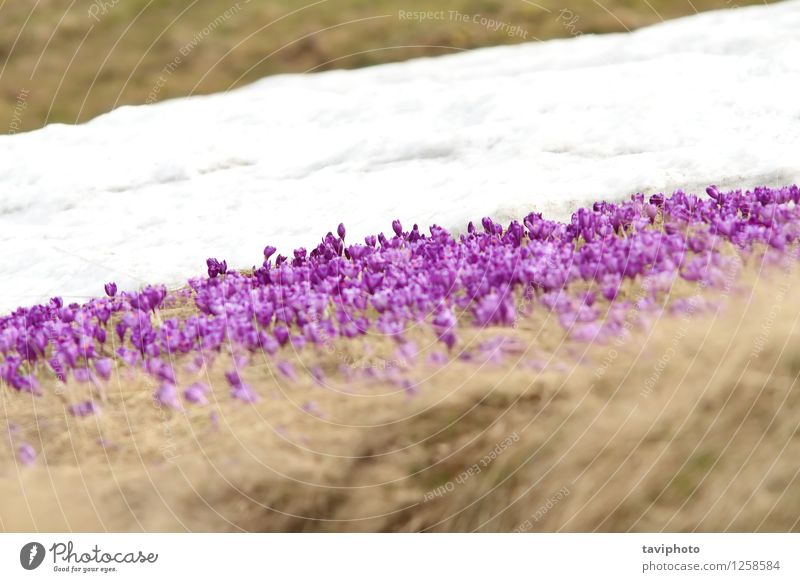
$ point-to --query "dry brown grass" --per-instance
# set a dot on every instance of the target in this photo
(712, 446)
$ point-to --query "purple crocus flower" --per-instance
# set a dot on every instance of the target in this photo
(82, 374)
(240, 390)
(282, 335)
(233, 378)
(216, 267)
(318, 375)
(111, 289)
(410, 388)
(26, 454)
(312, 408)
(244, 392)
(407, 351)
(103, 367)
(82, 409)
(448, 338)
(167, 395)
(287, 370)
(196, 393)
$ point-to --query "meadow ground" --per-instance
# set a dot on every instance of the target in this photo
(689, 423)
(70, 63)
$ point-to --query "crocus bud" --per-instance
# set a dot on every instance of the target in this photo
(397, 227)
(449, 339)
(111, 289)
(269, 251)
(341, 231)
(287, 370)
(81, 409)
(213, 267)
(196, 394)
(244, 393)
(167, 395)
(282, 335)
(26, 454)
(104, 367)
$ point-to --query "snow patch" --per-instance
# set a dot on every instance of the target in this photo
(145, 194)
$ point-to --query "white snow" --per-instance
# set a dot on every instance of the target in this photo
(146, 194)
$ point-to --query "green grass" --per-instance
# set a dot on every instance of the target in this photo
(76, 67)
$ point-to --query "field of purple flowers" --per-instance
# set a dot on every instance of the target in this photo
(391, 316)
(386, 286)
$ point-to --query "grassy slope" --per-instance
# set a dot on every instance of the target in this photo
(76, 68)
(712, 446)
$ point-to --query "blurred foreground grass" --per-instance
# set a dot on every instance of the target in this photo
(688, 423)
(70, 62)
